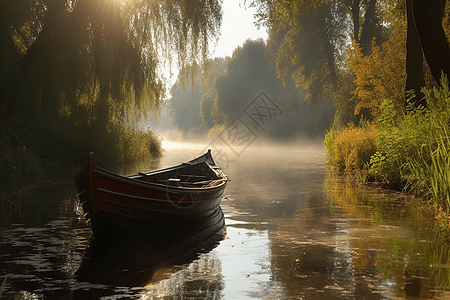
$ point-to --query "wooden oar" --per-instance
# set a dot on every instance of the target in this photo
(209, 181)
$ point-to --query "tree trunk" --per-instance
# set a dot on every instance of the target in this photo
(328, 49)
(368, 28)
(329, 52)
(414, 59)
(355, 15)
(428, 19)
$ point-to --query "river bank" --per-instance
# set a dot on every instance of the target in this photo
(402, 149)
(33, 154)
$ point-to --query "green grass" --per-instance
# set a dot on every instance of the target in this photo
(31, 153)
(413, 151)
(430, 167)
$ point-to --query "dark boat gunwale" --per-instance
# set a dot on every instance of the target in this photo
(133, 178)
(145, 197)
(145, 184)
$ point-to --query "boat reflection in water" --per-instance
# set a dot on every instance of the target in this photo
(129, 258)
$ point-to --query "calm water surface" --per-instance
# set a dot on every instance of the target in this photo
(293, 231)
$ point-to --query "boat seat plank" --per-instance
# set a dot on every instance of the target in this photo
(192, 176)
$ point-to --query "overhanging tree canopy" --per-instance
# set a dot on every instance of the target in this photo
(97, 59)
(308, 38)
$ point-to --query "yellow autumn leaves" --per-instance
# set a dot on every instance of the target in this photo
(380, 75)
(353, 147)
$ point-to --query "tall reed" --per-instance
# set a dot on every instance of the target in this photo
(330, 135)
(430, 168)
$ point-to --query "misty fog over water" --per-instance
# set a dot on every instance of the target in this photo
(244, 86)
(294, 230)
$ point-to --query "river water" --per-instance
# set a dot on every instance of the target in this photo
(294, 230)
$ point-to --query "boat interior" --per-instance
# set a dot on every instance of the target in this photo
(194, 176)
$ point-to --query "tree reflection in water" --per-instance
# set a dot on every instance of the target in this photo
(390, 240)
(293, 231)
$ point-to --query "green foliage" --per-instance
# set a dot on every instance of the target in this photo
(96, 61)
(31, 153)
(135, 144)
(108, 51)
(430, 166)
(330, 136)
(307, 39)
(396, 143)
(251, 71)
(185, 107)
(384, 168)
(303, 38)
(411, 151)
(248, 72)
(80, 74)
(386, 120)
(414, 153)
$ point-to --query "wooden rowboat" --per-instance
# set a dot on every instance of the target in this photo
(183, 193)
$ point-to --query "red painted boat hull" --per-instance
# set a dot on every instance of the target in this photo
(144, 199)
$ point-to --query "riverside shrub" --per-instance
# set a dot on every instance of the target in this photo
(398, 141)
(353, 147)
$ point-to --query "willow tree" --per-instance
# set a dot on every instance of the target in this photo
(308, 39)
(99, 61)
